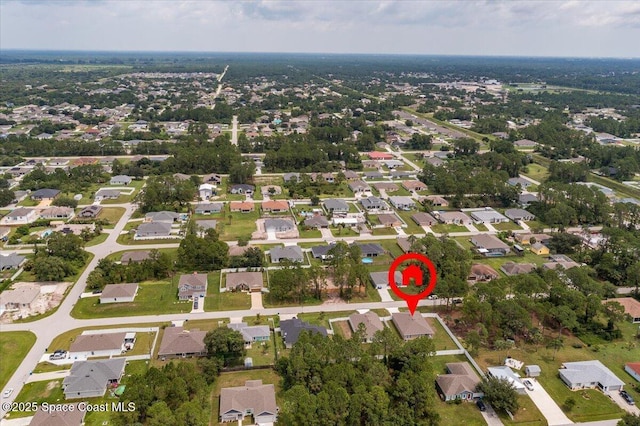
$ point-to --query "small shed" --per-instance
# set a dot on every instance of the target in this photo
(532, 370)
(248, 362)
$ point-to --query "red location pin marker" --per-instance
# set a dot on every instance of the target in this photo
(415, 273)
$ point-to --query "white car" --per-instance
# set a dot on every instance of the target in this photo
(528, 384)
(7, 393)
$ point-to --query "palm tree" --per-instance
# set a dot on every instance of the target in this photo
(555, 344)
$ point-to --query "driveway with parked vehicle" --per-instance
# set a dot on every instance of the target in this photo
(547, 406)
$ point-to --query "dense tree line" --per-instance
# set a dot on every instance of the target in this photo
(158, 266)
(338, 382)
(30, 147)
(77, 179)
(166, 193)
(62, 257)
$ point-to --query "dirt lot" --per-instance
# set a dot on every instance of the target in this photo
(51, 294)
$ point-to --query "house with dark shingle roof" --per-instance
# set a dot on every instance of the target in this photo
(45, 194)
(11, 261)
(317, 222)
(512, 268)
(153, 230)
(370, 249)
(179, 343)
(336, 205)
(291, 329)
(292, 253)
(460, 382)
(89, 379)
(119, 293)
(91, 211)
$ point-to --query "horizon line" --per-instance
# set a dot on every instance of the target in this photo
(48, 50)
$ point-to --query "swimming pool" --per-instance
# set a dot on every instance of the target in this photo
(367, 260)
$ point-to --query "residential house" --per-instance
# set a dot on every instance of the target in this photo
(120, 180)
(589, 374)
(241, 206)
(119, 293)
(392, 164)
(402, 174)
(278, 225)
(453, 218)
(90, 379)
(321, 252)
(291, 329)
(106, 194)
(489, 245)
(253, 333)
(212, 178)
(74, 416)
(525, 143)
(351, 175)
(58, 162)
(20, 215)
(539, 249)
(242, 188)
(317, 222)
(411, 326)
(404, 243)
(56, 212)
(376, 155)
(517, 215)
(488, 215)
(372, 175)
(385, 186)
(336, 205)
(460, 382)
(134, 256)
(633, 368)
(203, 225)
(525, 200)
(437, 201)
(244, 281)
(505, 373)
(11, 261)
(22, 297)
(180, 343)
(370, 321)
(91, 211)
(153, 230)
(525, 239)
(292, 253)
(373, 203)
(482, 273)
(206, 191)
(512, 268)
(162, 217)
(435, 161)
(524, 183)
(381, 279)
(414, 185)
(560, 261)
(389, 220)
(181, 176)
(631, 307)
(45, 194)
(208, 208)
(402, 203)
(252, 399)
(192, 286)
(424, 219)
(370, 249)
(358, 186)
(274, 206)
(105, 345)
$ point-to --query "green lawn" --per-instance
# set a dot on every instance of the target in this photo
(111, 214)
(241, 224)
(506, 226)
(343, 232)
(225, 301)
(481, 227)
(441, 339)
(154, 298)
(309, 233)
(537, 172)
(442, 228)
(97, 240)
(383, 231)
(39, 392)
(412, 227)
(14, 346)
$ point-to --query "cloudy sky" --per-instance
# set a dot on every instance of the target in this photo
(491, 27)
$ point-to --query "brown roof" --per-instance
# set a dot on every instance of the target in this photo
(387, 186)
(488, 242)
(252, 280)
(388, 219)
(404, 244)
(238, 250)
(512, 268)
(370, 320)
(73, 417)
(413, 184)
(176, 341)
(486, 270)
(412, 325)
(275, 205)
(631, 306)
(119, 290)
(241, 205)
(461, 378)
(97, 342)
(253, 395)
(422, 218)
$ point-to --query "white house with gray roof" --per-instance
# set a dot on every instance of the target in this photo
(336, 205)
(252, 399)
(589, 374)
(292, 253)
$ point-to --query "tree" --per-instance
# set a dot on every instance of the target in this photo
(500, 394)
(629, 420)
(64, 201)
(51, 268)
(6, 197)
(501, 345)
(555, 344)
(315, 200)
(225, 344)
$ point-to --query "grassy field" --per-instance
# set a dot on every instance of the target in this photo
(111, 214)
(97, 240)
(537, 172)
(383, 231)
(412, 227)
(448, 228)
(225, 301)
(343, 232)
(14, 346)
(506, 226)
(241, 224)
(441, 339)
(154, 298)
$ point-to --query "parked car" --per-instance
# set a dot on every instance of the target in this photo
(481, 405)
(627, 397)
(7, 393)
(528, 384)
(59, 354)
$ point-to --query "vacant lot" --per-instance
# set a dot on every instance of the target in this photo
(14, 346)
